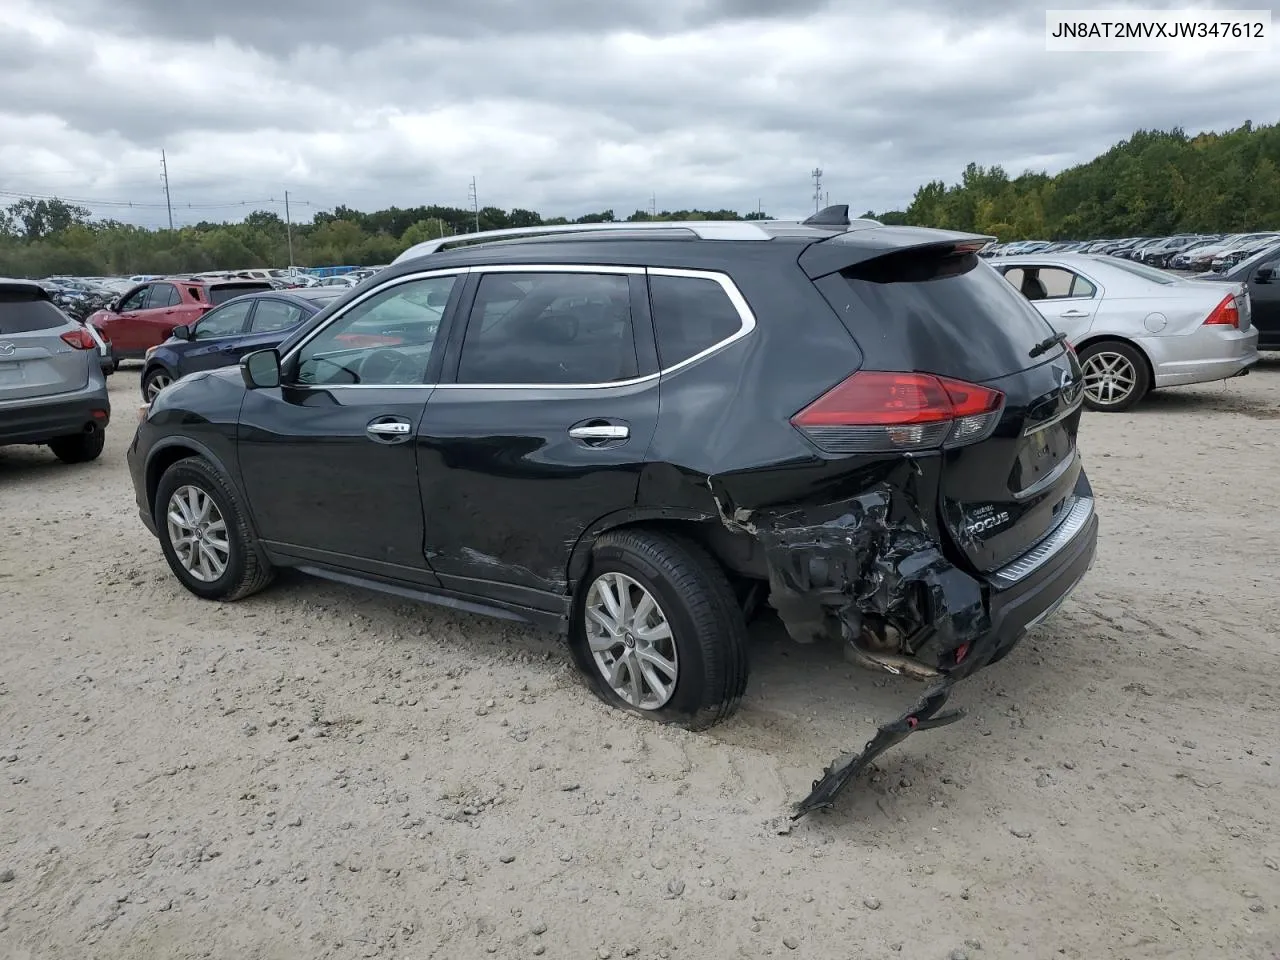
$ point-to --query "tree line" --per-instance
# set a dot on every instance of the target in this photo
(1155, 183)
(49, 237)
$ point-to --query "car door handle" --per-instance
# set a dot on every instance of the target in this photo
(601, 431)
(388, 430)
(1074, 313)
(393, 428)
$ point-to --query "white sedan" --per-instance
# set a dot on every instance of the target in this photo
(1136, 328)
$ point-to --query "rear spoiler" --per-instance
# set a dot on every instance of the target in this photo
(849, 249)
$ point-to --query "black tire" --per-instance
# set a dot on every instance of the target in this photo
(247, 570)
(707, 625)
(1141, 375)
(81, 447)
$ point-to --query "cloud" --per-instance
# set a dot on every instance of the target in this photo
(566, 106)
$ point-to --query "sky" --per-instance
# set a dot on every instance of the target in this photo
(569, 106)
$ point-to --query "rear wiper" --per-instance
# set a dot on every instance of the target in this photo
(1047, 344)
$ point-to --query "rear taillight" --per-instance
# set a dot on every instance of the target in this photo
(80, 339)
(874, 411)
(1225, 314)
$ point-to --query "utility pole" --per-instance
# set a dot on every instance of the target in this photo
(164, 167)
(475, 203)
(653, 206)
(817, 188)
(288, 227)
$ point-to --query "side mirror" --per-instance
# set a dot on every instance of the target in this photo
(182, 332)
(261, 369)
(1265, 275)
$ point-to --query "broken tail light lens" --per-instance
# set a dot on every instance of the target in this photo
(882, 412)
(80, 339)
(1226, 313)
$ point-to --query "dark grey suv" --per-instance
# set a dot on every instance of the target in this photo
(643, 436)
(52, 387)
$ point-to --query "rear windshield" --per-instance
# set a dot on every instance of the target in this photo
(949, 314)
(20, 314)
(228, 291)
(1140, 270)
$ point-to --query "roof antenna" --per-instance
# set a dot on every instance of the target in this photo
(833, 216)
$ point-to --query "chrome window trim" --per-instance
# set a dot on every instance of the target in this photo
(748, 324)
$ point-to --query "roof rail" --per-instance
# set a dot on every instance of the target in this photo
(701, 229)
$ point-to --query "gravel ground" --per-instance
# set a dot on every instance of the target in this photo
(321, 772)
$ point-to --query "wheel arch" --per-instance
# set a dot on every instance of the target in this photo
(166, 453)
(1096, 338)
(737, 553)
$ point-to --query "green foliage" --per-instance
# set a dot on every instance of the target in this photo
(1153, 184)
(39, 238)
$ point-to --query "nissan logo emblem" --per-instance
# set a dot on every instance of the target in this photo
(7, 349)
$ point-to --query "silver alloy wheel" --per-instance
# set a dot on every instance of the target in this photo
(156, 383)
(1109, 377)
(198, 533)
(631, 640)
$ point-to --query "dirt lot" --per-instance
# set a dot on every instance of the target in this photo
(319, 772)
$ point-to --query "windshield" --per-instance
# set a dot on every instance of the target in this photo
(1140, 270)
(1246, 266)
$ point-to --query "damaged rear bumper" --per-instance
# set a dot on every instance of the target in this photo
(866, 570)
(890, 586)
(1016, 607)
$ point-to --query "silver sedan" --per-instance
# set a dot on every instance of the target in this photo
(1136, 328)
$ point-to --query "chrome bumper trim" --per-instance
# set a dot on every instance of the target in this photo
(1076, 514)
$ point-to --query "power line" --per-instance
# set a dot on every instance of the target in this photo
(150, 204)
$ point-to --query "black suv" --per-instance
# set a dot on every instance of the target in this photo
(635, 433)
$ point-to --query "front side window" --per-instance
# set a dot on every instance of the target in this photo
(226, 321)
(135, 300)
(385, 340)
(549, 328)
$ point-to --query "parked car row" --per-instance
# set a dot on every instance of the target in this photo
(1196, 253)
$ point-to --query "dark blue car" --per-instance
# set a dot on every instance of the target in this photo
(255, 321)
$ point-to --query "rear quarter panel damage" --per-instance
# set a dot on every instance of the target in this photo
(862, 561)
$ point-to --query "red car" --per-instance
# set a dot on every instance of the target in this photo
(147, 314)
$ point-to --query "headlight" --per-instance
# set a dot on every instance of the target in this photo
(151, 351)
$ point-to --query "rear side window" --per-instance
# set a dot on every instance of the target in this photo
(951, 314)
(549, 328)
(229, 291)
(690, 314)
(20, 314)
(163, 295)
(275, 315)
